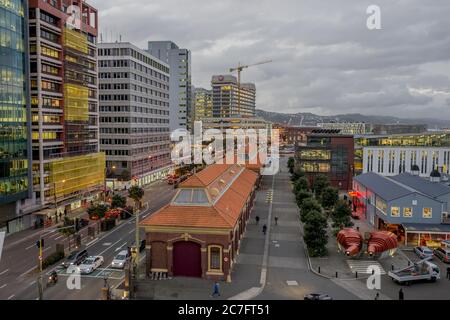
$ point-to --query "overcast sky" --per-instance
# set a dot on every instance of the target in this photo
(325, 60)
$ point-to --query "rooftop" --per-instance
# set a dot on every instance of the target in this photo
(385, 188)
(422, 185)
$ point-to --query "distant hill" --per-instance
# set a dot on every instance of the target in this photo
(310, 119)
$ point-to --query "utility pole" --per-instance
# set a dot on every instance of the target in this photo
(136, 272)
(40, 285)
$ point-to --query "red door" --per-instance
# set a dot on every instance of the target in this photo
(187, 261)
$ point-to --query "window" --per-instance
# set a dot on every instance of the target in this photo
(407, 212)
(381, 205)
(215, 258)
(427, 213)
(395, 211)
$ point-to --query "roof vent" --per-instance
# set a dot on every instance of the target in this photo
(435, 176)
(415, 169)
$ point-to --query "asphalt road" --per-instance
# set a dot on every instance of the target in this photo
(18, 281)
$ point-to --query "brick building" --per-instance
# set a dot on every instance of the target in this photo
(198, 233)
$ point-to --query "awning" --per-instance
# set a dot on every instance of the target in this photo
(426, 228)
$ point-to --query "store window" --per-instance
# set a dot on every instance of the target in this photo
(381, 205)
(427, 213)
(215, 258)
(395, 211)
(407, 212)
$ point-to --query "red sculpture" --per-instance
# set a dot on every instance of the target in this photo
(351, 240)
(381, 241)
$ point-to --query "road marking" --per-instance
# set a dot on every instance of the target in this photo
(32, 283)
(131, 231)
(48, 248)
(33, 245)
(110, 247)
(59, 237)
(3, 286)
(120, 247)
(106, 243)
(10, 297)
(3, 272)
(28, 271)
(361, 266)
(292, 283)
(277, 245)
(91, 242)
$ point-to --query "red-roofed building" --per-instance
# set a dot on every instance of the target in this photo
(198, 233)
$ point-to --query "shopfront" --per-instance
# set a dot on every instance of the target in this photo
(426, 235)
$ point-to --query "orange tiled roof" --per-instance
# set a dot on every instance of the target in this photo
(226, 207)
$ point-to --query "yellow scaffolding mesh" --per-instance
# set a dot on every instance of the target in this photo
(76, 105)
(76, 174)
(75, 40)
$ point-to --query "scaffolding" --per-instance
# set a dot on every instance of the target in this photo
(76, 107)
(75, 40)
(76, 174)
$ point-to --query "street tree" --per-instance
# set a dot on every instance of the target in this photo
(315, 234)
(320, 183)
(118, 201)
(329, 197)
(298, 172)
(291, 164)
(136, 193)
(308, 206)
(300, 184)
(97, 211)
(341, 215)
(301, 196)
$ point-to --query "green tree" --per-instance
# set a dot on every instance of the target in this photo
(320, 183)
(300, 184)
(136, 193)
(315, 235)
(301, 196)
(118, 201)
(98, 210)
(298, 173)
(341, 215)
(68, 231)
(307, 206)
(291, 164)
(329, 197)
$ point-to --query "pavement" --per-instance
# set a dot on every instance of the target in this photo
(19, 259)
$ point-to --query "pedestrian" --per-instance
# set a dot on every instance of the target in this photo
(401, 296)
(264, 229)
(377, 296)
(448, 273)
(216, 290)
(276, 220)
(257, 219)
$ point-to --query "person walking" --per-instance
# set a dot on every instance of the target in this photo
(401, 296)
(377, 296)
(276, 220)
(264, 229)
(257, 219)
(216, 290)
(448, 273)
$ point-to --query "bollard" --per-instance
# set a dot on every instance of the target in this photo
(409, 263)
(319, 269)
(336, 274)
(392, 267)
(356, 274)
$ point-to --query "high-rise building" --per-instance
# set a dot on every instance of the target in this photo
(180, 101)
(134, 113)
(68, 168)
(15, 169)
(231, 101)
(202, 103)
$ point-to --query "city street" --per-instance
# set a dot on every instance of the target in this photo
(18, 280)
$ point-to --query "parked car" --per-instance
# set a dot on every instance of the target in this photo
(75, 258)
(423, 252)
(91, 264)
(120, 260)
(442, 254)
(317, 296)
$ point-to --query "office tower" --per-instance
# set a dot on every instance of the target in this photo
(202, 103)
(179, 60)
(134, 113)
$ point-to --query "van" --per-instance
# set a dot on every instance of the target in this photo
(75, 258)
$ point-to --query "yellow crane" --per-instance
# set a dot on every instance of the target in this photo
(239, 69)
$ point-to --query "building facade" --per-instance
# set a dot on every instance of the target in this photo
(390, 161)
(291, 135)
(347, 127)
(134, 113)
(15, 143)
(414, 208)
(181, 94)
(68, 169)
(397, 128)
(198, 234)
(328, 153)
(202, 103)
(230, 101)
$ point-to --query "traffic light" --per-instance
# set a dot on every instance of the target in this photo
(39, 243)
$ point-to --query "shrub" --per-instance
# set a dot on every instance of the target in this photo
(300, 184)
(329, 197)
(302, 196)
(341, 215)
(52, 259)
(97, 211)
(320, 183)
(307, 206)
(118, 201)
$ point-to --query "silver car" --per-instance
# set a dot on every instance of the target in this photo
(423, 252)
(120, 260)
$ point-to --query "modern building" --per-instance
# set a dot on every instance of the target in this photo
(329, 153)
(202, 103)
(414, 208)
(347, 127)
(15, 139)
(397, 128)
(293, 135)
(68, 168)
(235, 123)
(198, 234)
(390, 161)
(134, 113)
(181, 94)
(229, 100)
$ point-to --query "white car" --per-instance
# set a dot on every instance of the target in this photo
(120, 260)
(90, 264)
(423, 252)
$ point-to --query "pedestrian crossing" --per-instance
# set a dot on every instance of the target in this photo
(365, 266)
(269, 196)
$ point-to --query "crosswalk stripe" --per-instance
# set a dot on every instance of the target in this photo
(361, 266)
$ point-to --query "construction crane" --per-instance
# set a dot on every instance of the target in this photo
(239, 69)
